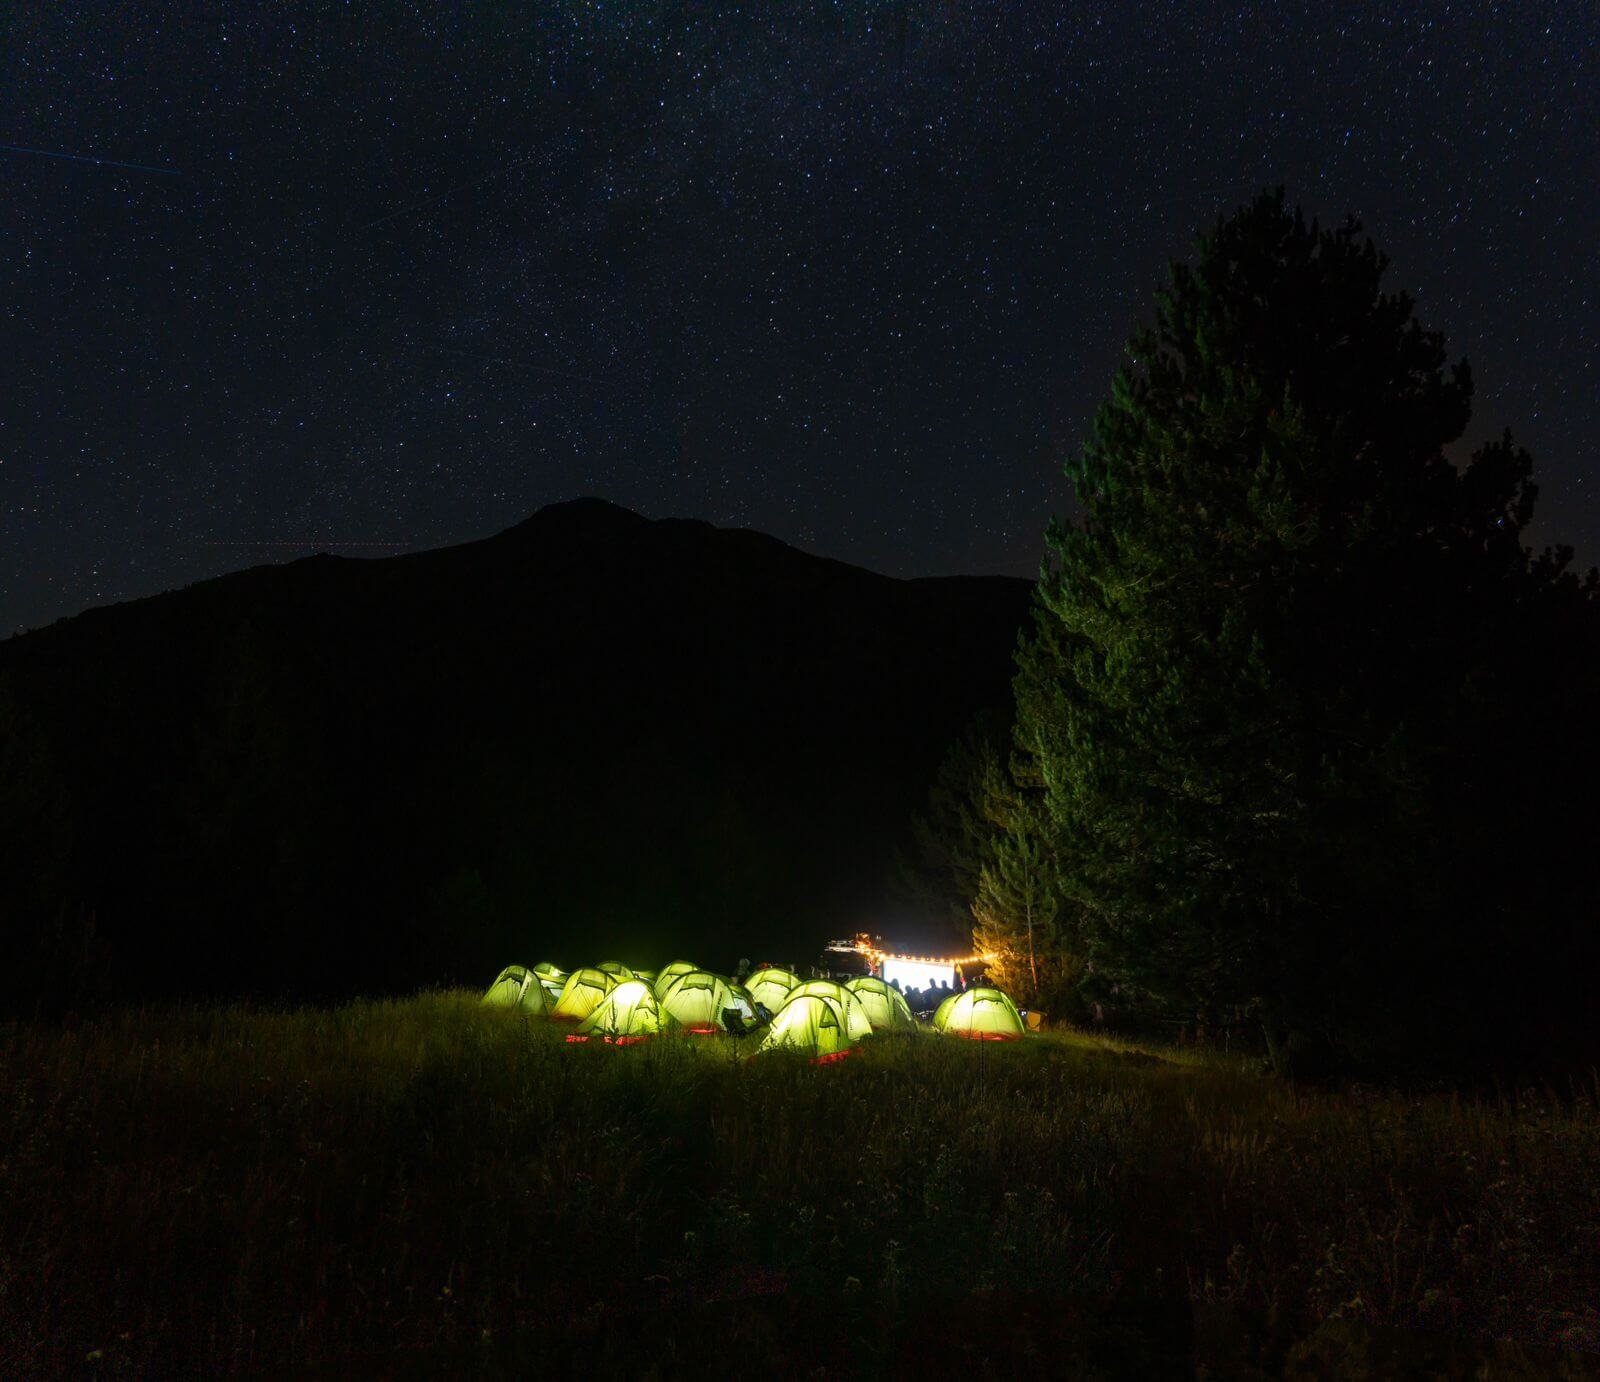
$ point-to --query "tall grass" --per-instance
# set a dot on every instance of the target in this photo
(225, 1190)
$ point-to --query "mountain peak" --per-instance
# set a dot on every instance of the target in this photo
(587, 512)
(644, 735)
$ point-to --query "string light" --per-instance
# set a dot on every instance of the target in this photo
(862, 945)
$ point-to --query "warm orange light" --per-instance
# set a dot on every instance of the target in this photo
(862, 945)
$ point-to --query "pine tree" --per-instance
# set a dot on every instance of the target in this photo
(954, 836)
(1018, 910)
(985, 863)
(1251, 688)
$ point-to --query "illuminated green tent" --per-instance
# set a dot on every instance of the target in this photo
(982, 1013)
(628, 1013)
(551, 977)
(615, 968)
(857, 1023)
(696, 1001)
(583, 992)
(742, 1003)
(671, 972)
(885, 1005)
(770, 987)
(648, 975)
(518, 988)
(811, 1025)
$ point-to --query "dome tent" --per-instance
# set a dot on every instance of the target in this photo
(769, 987)
(742, 1003)
(811, 1025)
(583, 992)
(885, 1005)
(857, 1023)
(615, 968)
(551, 977)
(629, 1013)
(518, 988)
(696, 1001)
(672, 971)
(983, 1013)
(648, 975)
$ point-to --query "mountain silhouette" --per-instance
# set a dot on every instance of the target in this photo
(594, 735)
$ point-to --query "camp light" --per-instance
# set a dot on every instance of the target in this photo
(917, 974)
(909, 971)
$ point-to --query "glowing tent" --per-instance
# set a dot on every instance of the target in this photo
(740, 1001)
(615, 968)
(885, 1005)
(648, 975)
(671, 972)
(629, 1013)
(856, 1022)
(583, 992)
(518, 988)
(982, 1013)
(769, 987)
(551, 977)
(812, 1026)
(696, 1001)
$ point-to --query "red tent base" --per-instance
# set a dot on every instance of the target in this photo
(835, 1057)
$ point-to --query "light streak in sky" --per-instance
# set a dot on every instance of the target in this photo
(98, 162)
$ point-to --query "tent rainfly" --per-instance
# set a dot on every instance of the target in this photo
(980, 1012)
(769, 987)
(615, 968)
(695, 1001)
(856, 1022)
(583, 992)
(518, 988)
(671, 972)
(885, 1005)
(628, 1014)
(741, 1002)
(551, 977)
(811, 1025)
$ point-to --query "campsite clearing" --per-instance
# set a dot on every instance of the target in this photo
(440, 1182)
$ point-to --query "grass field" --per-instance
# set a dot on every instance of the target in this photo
(422, 1186)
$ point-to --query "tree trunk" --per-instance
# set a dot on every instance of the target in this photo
(1033, 968)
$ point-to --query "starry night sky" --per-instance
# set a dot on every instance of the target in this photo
(855, 274)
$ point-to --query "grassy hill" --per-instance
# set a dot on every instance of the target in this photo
(405, 1187)
(581, 736)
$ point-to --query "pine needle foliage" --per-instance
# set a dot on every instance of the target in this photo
(1271, 655)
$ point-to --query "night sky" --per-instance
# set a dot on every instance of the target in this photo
(855, 274)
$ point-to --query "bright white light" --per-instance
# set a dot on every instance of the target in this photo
(917, 974)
